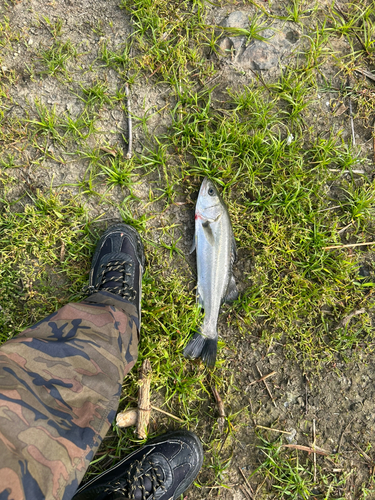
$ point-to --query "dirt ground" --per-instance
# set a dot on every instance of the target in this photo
(338, 401)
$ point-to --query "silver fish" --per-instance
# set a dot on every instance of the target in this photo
(216, 251)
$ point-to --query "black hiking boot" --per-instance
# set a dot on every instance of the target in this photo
(161, 470)
(117, 265)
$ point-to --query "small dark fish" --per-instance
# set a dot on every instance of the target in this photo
(216, 251)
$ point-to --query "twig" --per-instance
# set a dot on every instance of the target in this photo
(336, 206)
(353, 171)
(314, 442)
(350, 111)
(245, 491)
(373, 144)
(342, 230)
(260, 77)
(224, 440)
(144, 407)
(365, 456)
(351, 121)
(259, 487)
(268, 390)
(352, 245)
(220, 407)
(345, 321)
(166, 413)
(272, 429)
(366, 73)
(309, 449)
(263, 378)
(130, 125)
(62, 251)
(247, 483)
(342, 435)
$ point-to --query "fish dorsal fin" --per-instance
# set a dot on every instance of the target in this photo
(232, 292)
(208, 232)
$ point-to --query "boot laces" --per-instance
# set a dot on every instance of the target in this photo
(124, 289)
(134, 480)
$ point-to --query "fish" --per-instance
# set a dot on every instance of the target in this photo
(216, 253)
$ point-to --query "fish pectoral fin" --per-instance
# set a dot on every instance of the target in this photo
(233, 255)
(208, 232)
(194, 244)
(232, 292)
(200, 298)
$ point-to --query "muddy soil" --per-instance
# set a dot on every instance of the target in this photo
(340, 399)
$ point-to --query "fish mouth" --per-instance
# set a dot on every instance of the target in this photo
(204, 186)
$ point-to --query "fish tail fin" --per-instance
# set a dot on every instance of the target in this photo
(194, 348)
(209, 353)
(203, 347)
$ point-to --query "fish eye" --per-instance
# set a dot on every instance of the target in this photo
(211, 191)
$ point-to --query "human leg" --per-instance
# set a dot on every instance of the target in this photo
(60, 380)
(60, 383)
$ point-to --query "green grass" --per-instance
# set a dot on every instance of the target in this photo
(44, 250)
(289, 187)
(55, 58)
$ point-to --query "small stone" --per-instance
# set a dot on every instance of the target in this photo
(291, 436)
(238, 42)
(225, 46)
(236, 19)
(31, 41)
(73, 109)
(233, 44)
(264, 55)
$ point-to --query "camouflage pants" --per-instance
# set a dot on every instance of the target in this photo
(60, 384)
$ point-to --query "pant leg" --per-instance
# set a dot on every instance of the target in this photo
(60, 384)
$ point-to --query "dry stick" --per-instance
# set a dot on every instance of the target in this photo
(263, 378)
(342, 230)
(351, 120)
(247, 482)
(168, 414)
(144, 407)
(245, 491)
(224, 440)
(130, 124)
(272, 429)
(268, 390)
(314, 442)
(365, 456)
(259, 487)
(342, 435)
(345, 321)
(309, 449)
(366, 73)
(220, 407)
(352, 171)
(260, 77)
(352, 245)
